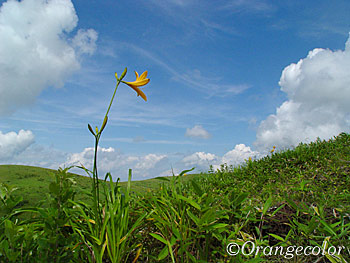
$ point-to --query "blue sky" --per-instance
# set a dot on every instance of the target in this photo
(229, 80)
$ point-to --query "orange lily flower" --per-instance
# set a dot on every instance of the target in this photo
(140, 81)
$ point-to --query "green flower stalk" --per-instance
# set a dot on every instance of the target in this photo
(140, 81)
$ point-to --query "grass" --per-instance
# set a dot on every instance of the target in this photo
(299, 197)
(32, 183)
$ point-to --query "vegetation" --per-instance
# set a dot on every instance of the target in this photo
(298, 198)
(295, 197)
(32, 183)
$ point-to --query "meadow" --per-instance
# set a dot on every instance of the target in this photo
(297, 197)
(290, 206)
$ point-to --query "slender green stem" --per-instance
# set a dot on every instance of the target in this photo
(115, 90)
(96, 189)
(95, 182)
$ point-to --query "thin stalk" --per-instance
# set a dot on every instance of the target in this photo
(110, 104)
(95, 183)
(96, 189)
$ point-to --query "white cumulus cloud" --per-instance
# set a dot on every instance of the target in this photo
(238, 155)
(200, 159)
(118, 164)
(35, 51)
(197, 132)
(318, 90)
(12, 144)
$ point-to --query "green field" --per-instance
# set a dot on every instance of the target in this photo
(297, 197)
(33, 182)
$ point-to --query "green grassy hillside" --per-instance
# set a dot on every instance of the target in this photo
(298, 197)
(33, 182)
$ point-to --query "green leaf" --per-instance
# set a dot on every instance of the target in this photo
(292, 203)
(163, 253)
(218, 225)
(161, 239)
(267, 205)
(176, 233)
(197, 188)
(277, 237)
(328, 228)
(191, 202)
(193, 217)
(241, 198)
(54, 188)
(186, 171)
(274, 212)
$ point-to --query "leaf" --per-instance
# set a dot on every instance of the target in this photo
(277, 237)
(328, 228)
(54, 188)
(161, 239)
(163, 253)
(176, 233)
(267, 205)
(279, 208)
(292, 203)
(186, 171)
(193, 217)
(197, 188)
(218, 225)
(191, 202)
(241, 198)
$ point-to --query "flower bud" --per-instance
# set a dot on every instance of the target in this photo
(104, 123)
(124, 73)
(90, 129)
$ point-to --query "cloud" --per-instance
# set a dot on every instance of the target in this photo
(249, 6)
(138, 139)
(202, 161)
(318, 90)
(12, 144)
(85, 41)
(35, 50)
(212, 86)
(110, 160)
(197, 132)
(38, 155)
(21, 149)
(152, 165)
(238, 155)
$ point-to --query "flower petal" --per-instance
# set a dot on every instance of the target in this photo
(138, 83)
(143, 75)
(139, 92)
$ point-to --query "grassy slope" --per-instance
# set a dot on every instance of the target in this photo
(33, 182)
(315, 176)
(315, 172)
